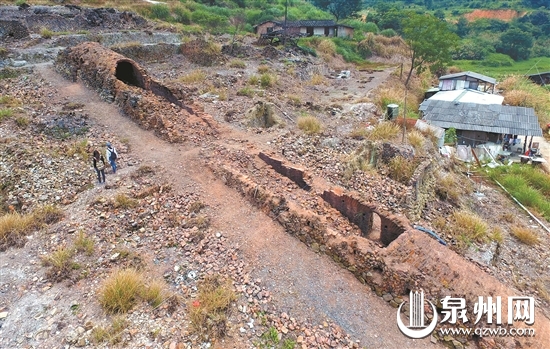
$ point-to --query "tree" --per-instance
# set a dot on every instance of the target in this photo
(516, 43)
(340, 9)
(462, 27)
(430, 41)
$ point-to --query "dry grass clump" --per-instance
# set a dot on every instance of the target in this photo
(416, 139)
(202, 52)
(60, 262)
(326, 47)
(196, 206)
(155, 293)
(384, 131)
(83, 243)
(193, 77)
(267, 80)
(520, 91)
(359, 160)
(208, 313)
(401, 169)
(10, 101)
(309, 124)
(80, 149)
(469, 227)
(525, 235)
(111, 334)
(262, 69)
(124, 201)
(388, 95)
(121, 290)
(317, 79)
(14, 226)
(383, 46)
(237, 63)
(447, 188)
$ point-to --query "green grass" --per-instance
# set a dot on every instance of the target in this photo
(529, 185)
(5, 113)
(521, 67)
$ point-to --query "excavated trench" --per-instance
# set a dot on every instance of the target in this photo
(408, 260)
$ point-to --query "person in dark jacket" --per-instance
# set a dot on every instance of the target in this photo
(99, 166)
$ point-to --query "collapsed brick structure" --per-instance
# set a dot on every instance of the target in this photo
(151, 104)
(409, 260)
(401, 260)
(18, 21)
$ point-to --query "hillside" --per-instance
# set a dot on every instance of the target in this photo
(244, 171)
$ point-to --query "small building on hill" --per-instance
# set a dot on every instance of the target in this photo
(540, 78)
(467, 80)
(326, 28)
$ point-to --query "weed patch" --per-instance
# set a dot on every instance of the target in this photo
(123, 201)
(309, 124)
(83, 243)
(469, 227)
(111, 334)
(384, 131)
(61, 264)
(525, 235)
(208, 313)
(120, 292)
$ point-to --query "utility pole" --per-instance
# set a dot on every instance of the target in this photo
(405, 115)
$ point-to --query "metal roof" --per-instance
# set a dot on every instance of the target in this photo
(493, 118)
(471, 75)
(468, 96)
(311, 23)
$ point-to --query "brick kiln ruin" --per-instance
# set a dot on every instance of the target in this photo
(397, 261)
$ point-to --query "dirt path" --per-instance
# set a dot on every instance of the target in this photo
(302, 283)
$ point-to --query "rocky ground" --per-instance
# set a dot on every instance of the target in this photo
(186, 224)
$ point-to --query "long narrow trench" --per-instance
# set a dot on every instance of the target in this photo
(304, 284)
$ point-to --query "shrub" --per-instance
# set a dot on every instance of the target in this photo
(208, 313)
(182, 15)
(237, 63)
(525, 235)
(309, 124)
(388, 33)
(416, 139)
(450, 135)
(120, 292)
(384, 131)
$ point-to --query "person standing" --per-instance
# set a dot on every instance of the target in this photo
(99, 166)
(111, 155)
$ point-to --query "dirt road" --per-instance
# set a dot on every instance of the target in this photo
(303, 284)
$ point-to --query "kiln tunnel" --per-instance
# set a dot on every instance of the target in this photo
(129, 74)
